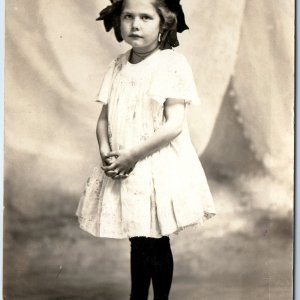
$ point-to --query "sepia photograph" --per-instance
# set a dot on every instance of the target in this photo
(149, 150)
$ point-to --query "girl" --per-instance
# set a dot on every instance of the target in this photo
(150, 183)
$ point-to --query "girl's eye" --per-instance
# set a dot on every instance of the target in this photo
(127, 17)
(146, 18)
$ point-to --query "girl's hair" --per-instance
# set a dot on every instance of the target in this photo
(168, 26)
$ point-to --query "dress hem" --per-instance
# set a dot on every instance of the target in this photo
(84, 224)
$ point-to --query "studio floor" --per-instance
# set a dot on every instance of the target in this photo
(244, 253)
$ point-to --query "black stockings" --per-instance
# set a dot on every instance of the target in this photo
(151, 259)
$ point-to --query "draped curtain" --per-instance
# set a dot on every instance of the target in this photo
(56, 55)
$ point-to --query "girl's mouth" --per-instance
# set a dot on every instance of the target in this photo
(135, 36)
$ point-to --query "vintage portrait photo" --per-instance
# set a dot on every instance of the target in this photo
(149, 149)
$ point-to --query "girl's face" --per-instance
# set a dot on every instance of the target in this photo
(140, 24)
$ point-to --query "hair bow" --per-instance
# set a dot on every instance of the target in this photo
(108, 14)
(175, 7)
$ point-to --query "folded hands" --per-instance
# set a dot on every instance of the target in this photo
(118, 164)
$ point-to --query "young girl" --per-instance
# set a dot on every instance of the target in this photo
(150, 183)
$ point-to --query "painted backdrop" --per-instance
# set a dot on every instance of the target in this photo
(241, 53)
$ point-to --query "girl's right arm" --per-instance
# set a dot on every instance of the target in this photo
(103, 142)
(102, 134)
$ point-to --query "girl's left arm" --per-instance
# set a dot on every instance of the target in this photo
(174, 111)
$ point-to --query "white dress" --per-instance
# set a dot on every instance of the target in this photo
(167, 191)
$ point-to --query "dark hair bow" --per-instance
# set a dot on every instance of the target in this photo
(175, 7)
(109, 17)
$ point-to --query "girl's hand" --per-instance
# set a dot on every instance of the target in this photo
(107, 160)
(123, 164)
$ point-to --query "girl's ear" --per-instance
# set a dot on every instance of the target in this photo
(162, 21)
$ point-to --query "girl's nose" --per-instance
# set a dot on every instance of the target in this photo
(136, 23)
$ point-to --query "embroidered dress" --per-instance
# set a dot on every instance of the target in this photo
(167, 191)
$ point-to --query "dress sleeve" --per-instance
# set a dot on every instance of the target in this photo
(106, 85)
(174, 79)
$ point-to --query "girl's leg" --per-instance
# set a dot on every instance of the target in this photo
(162, 268)
(140, 268)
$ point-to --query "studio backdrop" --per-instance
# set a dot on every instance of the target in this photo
(242, 56)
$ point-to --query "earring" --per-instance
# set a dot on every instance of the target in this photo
(159, 37)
